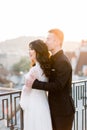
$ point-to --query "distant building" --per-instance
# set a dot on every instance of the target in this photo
(82, 61)
(78, 59)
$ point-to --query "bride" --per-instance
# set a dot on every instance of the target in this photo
(35, 102)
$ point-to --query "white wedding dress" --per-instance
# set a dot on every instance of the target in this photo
(35, 104)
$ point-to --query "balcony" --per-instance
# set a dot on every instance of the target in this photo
(11, 115)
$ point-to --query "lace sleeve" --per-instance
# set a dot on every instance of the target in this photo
(30, 77)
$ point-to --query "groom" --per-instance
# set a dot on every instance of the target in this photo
(59, 85)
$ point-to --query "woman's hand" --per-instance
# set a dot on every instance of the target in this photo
(29, 81)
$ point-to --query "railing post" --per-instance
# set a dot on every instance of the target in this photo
(21, 121)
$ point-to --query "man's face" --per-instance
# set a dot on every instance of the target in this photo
(50, 41)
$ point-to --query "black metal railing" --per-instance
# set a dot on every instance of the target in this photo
(79, 94)
(13, 115)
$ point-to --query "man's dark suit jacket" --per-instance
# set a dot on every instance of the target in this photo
(59, 86)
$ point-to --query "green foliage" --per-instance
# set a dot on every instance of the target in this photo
(22, 65)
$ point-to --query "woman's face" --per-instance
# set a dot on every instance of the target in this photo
(32, 55)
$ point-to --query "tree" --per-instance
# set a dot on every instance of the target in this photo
(22, 65)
